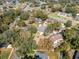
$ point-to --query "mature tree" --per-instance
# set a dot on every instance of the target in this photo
(22, 1)
(77, 8)
(76, 27)
(71, 10)
(1, 2)
(64, 1)
(69, 34)
(4, 27)
(20, 39)
(10, 13)
(65, 54)
(51, 27)
(27, 44)
(9, 36)
(17, 12)
(74, 44)
(21, 23)
(45, 44)
(24, 16)
(31, 20)
(7, 20)
(32, 29)
(40, 14)
(72, 37)
(56, 7)
(50, 4)
(43, 6)
(68, 23)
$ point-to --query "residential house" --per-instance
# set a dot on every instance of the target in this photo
(64, 14)
(56, 38)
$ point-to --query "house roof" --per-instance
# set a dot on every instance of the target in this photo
(55, 37)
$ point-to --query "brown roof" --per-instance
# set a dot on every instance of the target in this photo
(55, 37)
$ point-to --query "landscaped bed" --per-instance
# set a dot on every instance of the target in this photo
(5, 53)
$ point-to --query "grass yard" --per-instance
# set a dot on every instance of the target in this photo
(5, 53)
(53, 55)
(56, 16)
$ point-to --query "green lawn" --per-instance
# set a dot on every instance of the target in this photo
(56, 16)
(53, 55)
(5, 54)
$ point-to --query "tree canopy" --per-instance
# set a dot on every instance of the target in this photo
(45, 44)
(20, 39)
(24, 16)
(69, 34)
(51, 27)
(40, 14)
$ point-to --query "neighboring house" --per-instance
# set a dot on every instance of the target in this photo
(64, 14)
(56, 38)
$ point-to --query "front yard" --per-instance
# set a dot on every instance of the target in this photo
(5, 53)
(56, 16)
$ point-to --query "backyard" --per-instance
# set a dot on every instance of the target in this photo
(5, 53)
